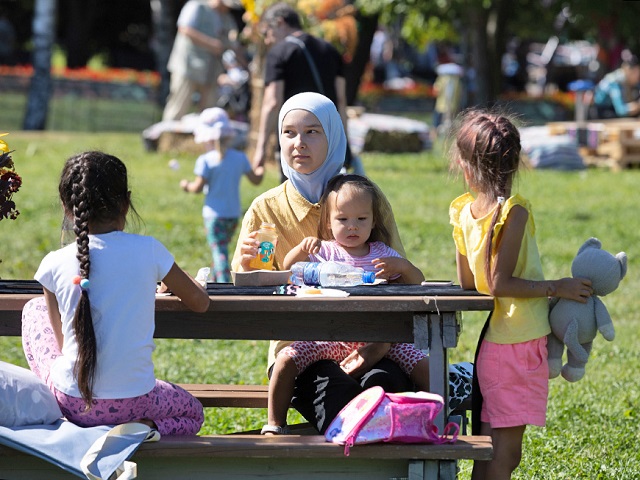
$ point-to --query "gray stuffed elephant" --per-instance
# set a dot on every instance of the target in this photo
(576, 324)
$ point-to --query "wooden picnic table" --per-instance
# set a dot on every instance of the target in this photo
(428, 316)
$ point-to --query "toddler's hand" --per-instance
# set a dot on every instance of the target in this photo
(389, 267)
(310, 245)
(360, 361)
(354, 364)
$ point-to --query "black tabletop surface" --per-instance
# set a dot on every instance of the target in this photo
(33, 287)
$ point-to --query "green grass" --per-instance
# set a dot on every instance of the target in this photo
(592, 425)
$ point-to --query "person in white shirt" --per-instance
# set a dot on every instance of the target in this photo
(91, 338)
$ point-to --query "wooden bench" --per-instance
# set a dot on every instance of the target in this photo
(260, 457)
(429, 320)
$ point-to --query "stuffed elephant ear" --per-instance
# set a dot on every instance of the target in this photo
(622, 259)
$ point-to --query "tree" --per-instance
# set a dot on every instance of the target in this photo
(479, 25)
(78, 31)
(163, 18)
(40, 89)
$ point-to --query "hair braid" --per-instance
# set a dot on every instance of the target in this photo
(506, 148)
(489, 146)
(86, 363)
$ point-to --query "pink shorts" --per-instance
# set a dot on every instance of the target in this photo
(514, 381)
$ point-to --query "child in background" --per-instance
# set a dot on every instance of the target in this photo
(352, 231)
(219, 170)
(94, 347)
(497, 254)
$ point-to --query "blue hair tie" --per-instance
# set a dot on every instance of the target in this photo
(84, 283)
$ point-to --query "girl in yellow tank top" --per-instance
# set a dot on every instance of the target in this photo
(497, 254)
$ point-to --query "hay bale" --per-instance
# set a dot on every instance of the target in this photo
(179, 142)
(392, 141)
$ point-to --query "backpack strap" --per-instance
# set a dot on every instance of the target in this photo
(312, 64)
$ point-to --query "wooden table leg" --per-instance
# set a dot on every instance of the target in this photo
(428, 334)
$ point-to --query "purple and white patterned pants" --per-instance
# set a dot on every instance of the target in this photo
(174, 410)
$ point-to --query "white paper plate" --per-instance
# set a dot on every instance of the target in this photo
(437, 283)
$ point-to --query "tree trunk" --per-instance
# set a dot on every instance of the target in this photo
(78, 32)
(486, 44)
(41, 85)
(479, 56)
(163, 18)
(355, 70)
(496, 42)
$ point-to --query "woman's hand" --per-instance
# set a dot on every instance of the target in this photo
(360, 361)
(248, 250)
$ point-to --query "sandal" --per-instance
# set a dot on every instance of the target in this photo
(275, 429)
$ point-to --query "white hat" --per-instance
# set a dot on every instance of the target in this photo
(213, 124)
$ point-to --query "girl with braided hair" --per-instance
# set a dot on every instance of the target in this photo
(91, 337)
(497, 254)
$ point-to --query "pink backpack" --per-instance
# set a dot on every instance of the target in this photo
(376, 416)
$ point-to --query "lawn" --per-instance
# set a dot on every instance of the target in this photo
(592, 425)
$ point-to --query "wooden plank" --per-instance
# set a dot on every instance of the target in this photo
(310, 325)
(265, 318)
(300, 446)
(237, 396)
(225, 468)
(249, 396)
(257, 456)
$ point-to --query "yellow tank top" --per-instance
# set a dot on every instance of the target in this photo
(514, 320)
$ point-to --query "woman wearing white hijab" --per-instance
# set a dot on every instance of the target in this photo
(293, 206)
(312, 146)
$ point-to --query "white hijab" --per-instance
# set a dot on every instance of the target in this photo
(312, 185)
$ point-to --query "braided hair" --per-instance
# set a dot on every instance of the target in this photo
(93, 189)
(488, 145)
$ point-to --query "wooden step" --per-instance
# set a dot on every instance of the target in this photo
(220, 395)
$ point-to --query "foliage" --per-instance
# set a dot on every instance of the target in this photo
(421, 22)
(591, 426)
(332, 20)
